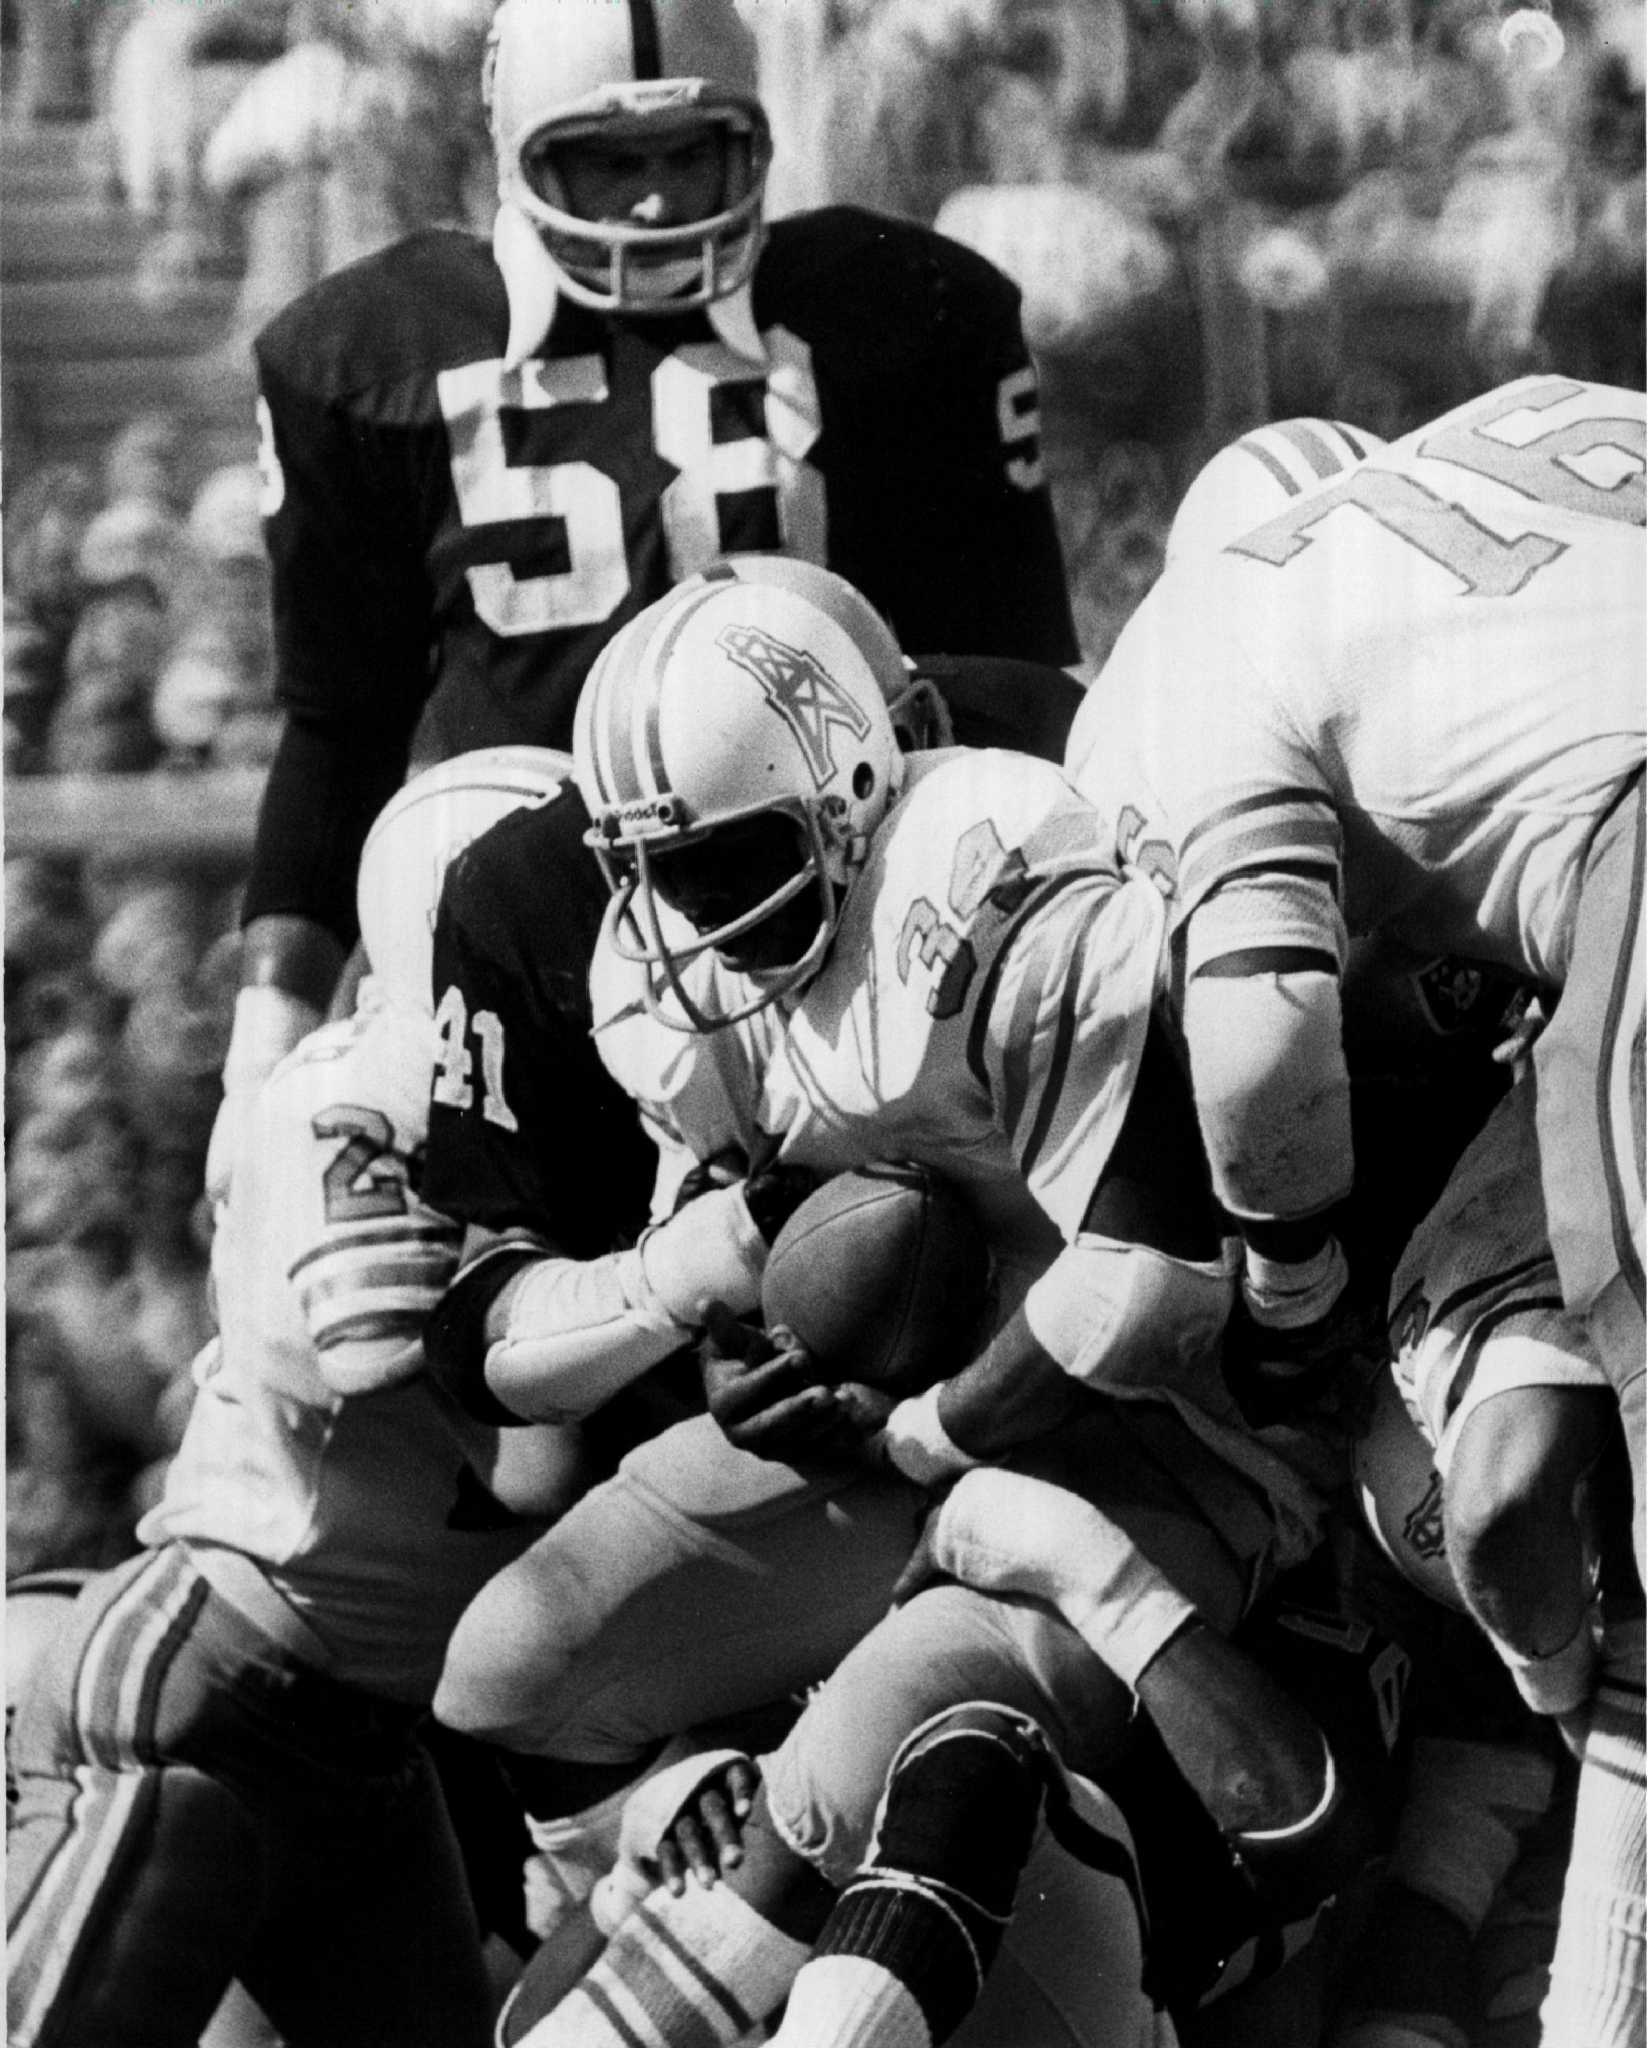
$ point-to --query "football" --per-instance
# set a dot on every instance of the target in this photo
(882, 1274)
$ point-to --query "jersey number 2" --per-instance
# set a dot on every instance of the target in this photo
(587, 503)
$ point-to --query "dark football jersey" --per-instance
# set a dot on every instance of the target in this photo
(527, 1129)
(441, 524)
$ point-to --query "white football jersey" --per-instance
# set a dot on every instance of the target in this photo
(983, 1009)
(315, 1444)
(1420, 685)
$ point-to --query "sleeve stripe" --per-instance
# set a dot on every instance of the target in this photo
(1312, 446)
(1262, 456)
(1299, 844)
(1487, 1284)
(388, 1232)
(1036, 964)
(1482, 1329)
(371, 1326)
(988, 990)
(353, 1278)
(1028, 1150)
(1296, 798)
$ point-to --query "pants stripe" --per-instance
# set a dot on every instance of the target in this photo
(108, 1660)
(1613, 1075)
(131, 1648)
(107, 1811)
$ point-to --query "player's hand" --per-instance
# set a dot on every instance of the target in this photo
(1521, 1032)
(773, 1193)
(705, 1839)
(763, 1390)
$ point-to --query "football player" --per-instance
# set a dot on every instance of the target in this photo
(480, 462)
(1409, 705)
(1512, 1402)
(219, 1768)
(825, 951)
(535, 1147)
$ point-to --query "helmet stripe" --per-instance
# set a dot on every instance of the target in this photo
(657, 666)
(647, 35)
(609, 723)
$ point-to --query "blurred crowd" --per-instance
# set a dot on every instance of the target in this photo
(1219, 211)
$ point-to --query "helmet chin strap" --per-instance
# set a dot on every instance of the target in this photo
(530, 280)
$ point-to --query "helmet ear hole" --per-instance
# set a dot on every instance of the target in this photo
(863, 780)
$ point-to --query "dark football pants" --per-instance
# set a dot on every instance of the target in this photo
(197, 1804)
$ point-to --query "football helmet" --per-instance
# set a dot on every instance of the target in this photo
(1258, 476)
(561, 71)
(746, 719)
(416, 837)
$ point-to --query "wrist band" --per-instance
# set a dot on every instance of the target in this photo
(1285, 1294)
(916, 1442)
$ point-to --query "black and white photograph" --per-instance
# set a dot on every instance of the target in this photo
(825, 1023)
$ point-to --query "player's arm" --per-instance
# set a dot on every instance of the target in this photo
(351, 627)
(534, 1147)
(1143, 1282)
(372, 1258)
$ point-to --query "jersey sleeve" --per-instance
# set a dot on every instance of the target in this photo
(1058, 1033)
(350, 602)
(352, 630)
(1207, 785)
(527, 1131)
(365, 1256)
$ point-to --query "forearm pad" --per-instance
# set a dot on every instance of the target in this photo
(1122, 1317)
(1272, 1090)
(576, 1332)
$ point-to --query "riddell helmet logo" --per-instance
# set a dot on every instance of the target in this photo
(801, 691)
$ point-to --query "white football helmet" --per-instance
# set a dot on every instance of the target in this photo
(727, 701)
(560, 70)
(416, 837)
(1259, 476)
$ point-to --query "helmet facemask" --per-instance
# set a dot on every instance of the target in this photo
(628, 264)
(672, 901)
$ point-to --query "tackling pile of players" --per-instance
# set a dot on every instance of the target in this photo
(1190, 1661)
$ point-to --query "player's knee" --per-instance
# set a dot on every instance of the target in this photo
(1510, 1483)
(514, 1648)
(963, 1800)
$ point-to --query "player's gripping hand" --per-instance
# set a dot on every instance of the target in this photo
(763, 1390)
(705, 1839)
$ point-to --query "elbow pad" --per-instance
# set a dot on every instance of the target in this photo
(1123, 1318)
(1271, 1090)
